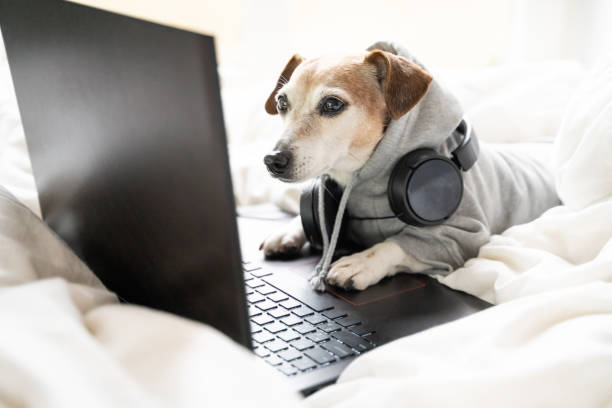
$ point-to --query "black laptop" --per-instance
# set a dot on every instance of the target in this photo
(125, 131)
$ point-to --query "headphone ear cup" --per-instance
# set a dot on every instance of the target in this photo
(309, 204)
(425, 188)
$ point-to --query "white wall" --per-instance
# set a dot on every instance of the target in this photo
(561, 29)
(259, 34)
(440, 32)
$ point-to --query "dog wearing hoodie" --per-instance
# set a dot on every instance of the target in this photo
(352, 118)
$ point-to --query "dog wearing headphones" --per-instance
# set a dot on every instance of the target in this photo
(399, 174)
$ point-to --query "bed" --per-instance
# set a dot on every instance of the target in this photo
(67, 341)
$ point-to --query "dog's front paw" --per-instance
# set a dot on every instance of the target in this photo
(286, 243)
(360, 270)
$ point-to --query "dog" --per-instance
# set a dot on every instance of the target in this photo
(337, 110)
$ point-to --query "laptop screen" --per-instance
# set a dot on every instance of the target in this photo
(124, 127)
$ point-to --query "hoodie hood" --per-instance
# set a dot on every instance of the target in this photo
(428, 125)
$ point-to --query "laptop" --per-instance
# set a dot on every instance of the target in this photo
(124, 126)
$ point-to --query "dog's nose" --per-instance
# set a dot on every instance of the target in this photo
(277, 162)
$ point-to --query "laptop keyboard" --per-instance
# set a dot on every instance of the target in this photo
(292, 336)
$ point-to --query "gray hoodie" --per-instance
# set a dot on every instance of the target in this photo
(502, 189)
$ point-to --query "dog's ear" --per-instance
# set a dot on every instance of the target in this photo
(282, 80)
(403, 82)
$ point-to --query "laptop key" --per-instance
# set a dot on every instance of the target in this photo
(255, 297)
(291, 320)
(288, 369)
(276, 345)
(290, 304)
(372, 338)
(317, 337)
(266, 290)
(260, 273)
(261, 352)
(302, 344)
(319, 355)
(290, 354)
(262, 337)
(278, 312)
(334, 313)
(329, 327)
(304, 328)
(278, 297)
(337, 348)
(266, 305)
(361, 330)
(262, 319)
(352, 340)
(348, 321)
(273, 360)
(254, 283)
(250, 267)
(255, 328)
(302, 311)
(316, 319)
(275, 327)
(303, 364)
(289, 335)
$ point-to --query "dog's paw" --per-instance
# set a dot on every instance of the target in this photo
(366, 268)
(360, 270)
(286, 243)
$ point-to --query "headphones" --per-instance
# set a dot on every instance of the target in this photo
(425, 189)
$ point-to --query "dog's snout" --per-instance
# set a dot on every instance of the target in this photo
(278, 162)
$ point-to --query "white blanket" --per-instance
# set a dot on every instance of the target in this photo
(570, 244)
(65, 341)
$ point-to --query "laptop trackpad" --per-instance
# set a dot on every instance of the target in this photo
(385, 289)
(295, 283)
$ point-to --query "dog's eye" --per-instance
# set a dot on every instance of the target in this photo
(282, 104)
(331, 106)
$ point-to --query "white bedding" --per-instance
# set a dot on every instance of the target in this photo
(66, 341)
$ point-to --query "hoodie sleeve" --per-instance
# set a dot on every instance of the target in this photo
(443, 247)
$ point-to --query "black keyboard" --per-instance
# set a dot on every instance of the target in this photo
(294, 337)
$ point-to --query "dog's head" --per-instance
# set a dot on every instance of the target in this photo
(335, 111)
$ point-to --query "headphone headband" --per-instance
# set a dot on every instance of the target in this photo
(466, 153)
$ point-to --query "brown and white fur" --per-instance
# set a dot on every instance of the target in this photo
(374, 88)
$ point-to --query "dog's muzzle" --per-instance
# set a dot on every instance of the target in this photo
(278, 162)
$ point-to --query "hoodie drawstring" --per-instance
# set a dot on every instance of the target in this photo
(317, 280)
